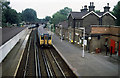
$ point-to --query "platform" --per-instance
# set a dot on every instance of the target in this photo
(90, 65)
(9, 32)
(10, 64)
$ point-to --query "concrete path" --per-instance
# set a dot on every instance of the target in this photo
(91, 65)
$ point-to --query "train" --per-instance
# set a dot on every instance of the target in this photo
(45, 38)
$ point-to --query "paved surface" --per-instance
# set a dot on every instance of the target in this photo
(9, 32)
(9, 64)
(91, 65)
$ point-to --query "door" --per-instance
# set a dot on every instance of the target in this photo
(46, 39)
(112, 46)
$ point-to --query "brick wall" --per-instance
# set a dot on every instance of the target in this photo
(109, 32)
(105, 30)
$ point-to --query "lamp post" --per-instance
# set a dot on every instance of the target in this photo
(61, 32)
(83, 53)
(89, 38)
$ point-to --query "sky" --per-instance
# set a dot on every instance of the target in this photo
(49, 7)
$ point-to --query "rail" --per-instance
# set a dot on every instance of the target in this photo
(28, 50)
(37, 62)
(57, 64)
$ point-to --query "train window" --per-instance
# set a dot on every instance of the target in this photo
(46, 37)
(49, 37)
(42, 37)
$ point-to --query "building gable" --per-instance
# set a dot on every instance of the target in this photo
(92, 12)
(70, 15)
(109, 14)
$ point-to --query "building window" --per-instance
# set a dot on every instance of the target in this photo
(76, 25)
(79, 24)
(69, 35)
(70, 23)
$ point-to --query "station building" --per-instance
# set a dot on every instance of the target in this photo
(85, 19)
(105, 35)
(91, 20)
(62, 29)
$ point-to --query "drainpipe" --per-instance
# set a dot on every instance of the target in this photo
(73, 31)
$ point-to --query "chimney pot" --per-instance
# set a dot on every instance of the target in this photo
(106, 8)
(90, 3)
(108, 4)
(91, 7)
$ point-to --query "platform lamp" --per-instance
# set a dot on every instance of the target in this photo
(83, 53)
(61, 32)
(89, 38)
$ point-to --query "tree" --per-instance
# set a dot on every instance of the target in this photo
(61, 15)
(47, 18)
(5, 5)
(65, 11)
(0, 13)
(29, 15)
(57, 17)
(10, 16)
(116, 12)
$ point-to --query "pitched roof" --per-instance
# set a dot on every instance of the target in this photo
(77, 15)
(81, 15)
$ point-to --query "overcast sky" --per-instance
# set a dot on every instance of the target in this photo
(49, 7)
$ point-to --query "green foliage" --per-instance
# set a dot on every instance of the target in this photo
(65, 11)
(5, 5)
(29, 15)
(61, 15)
(47, 18)
(97, 10)
(116, 12)
(0, 13)
(10, 16)
(58, 17)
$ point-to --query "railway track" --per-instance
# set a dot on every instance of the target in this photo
(27, 66)
(42, 62)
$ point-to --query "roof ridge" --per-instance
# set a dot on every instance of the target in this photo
(75, 12)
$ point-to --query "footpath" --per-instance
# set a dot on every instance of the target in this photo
(91, 64)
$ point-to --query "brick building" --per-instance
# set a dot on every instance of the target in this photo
(62, 29)
(101, 33)
(86, 18)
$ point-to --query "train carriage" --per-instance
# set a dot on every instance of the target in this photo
(45, 38)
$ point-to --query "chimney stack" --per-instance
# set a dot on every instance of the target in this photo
(106, 8)
(91, 7)
(84, 9)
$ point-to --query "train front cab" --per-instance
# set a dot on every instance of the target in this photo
(46, 40)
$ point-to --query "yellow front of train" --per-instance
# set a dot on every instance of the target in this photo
(41, 40)
(50, 40)
(46, 40)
